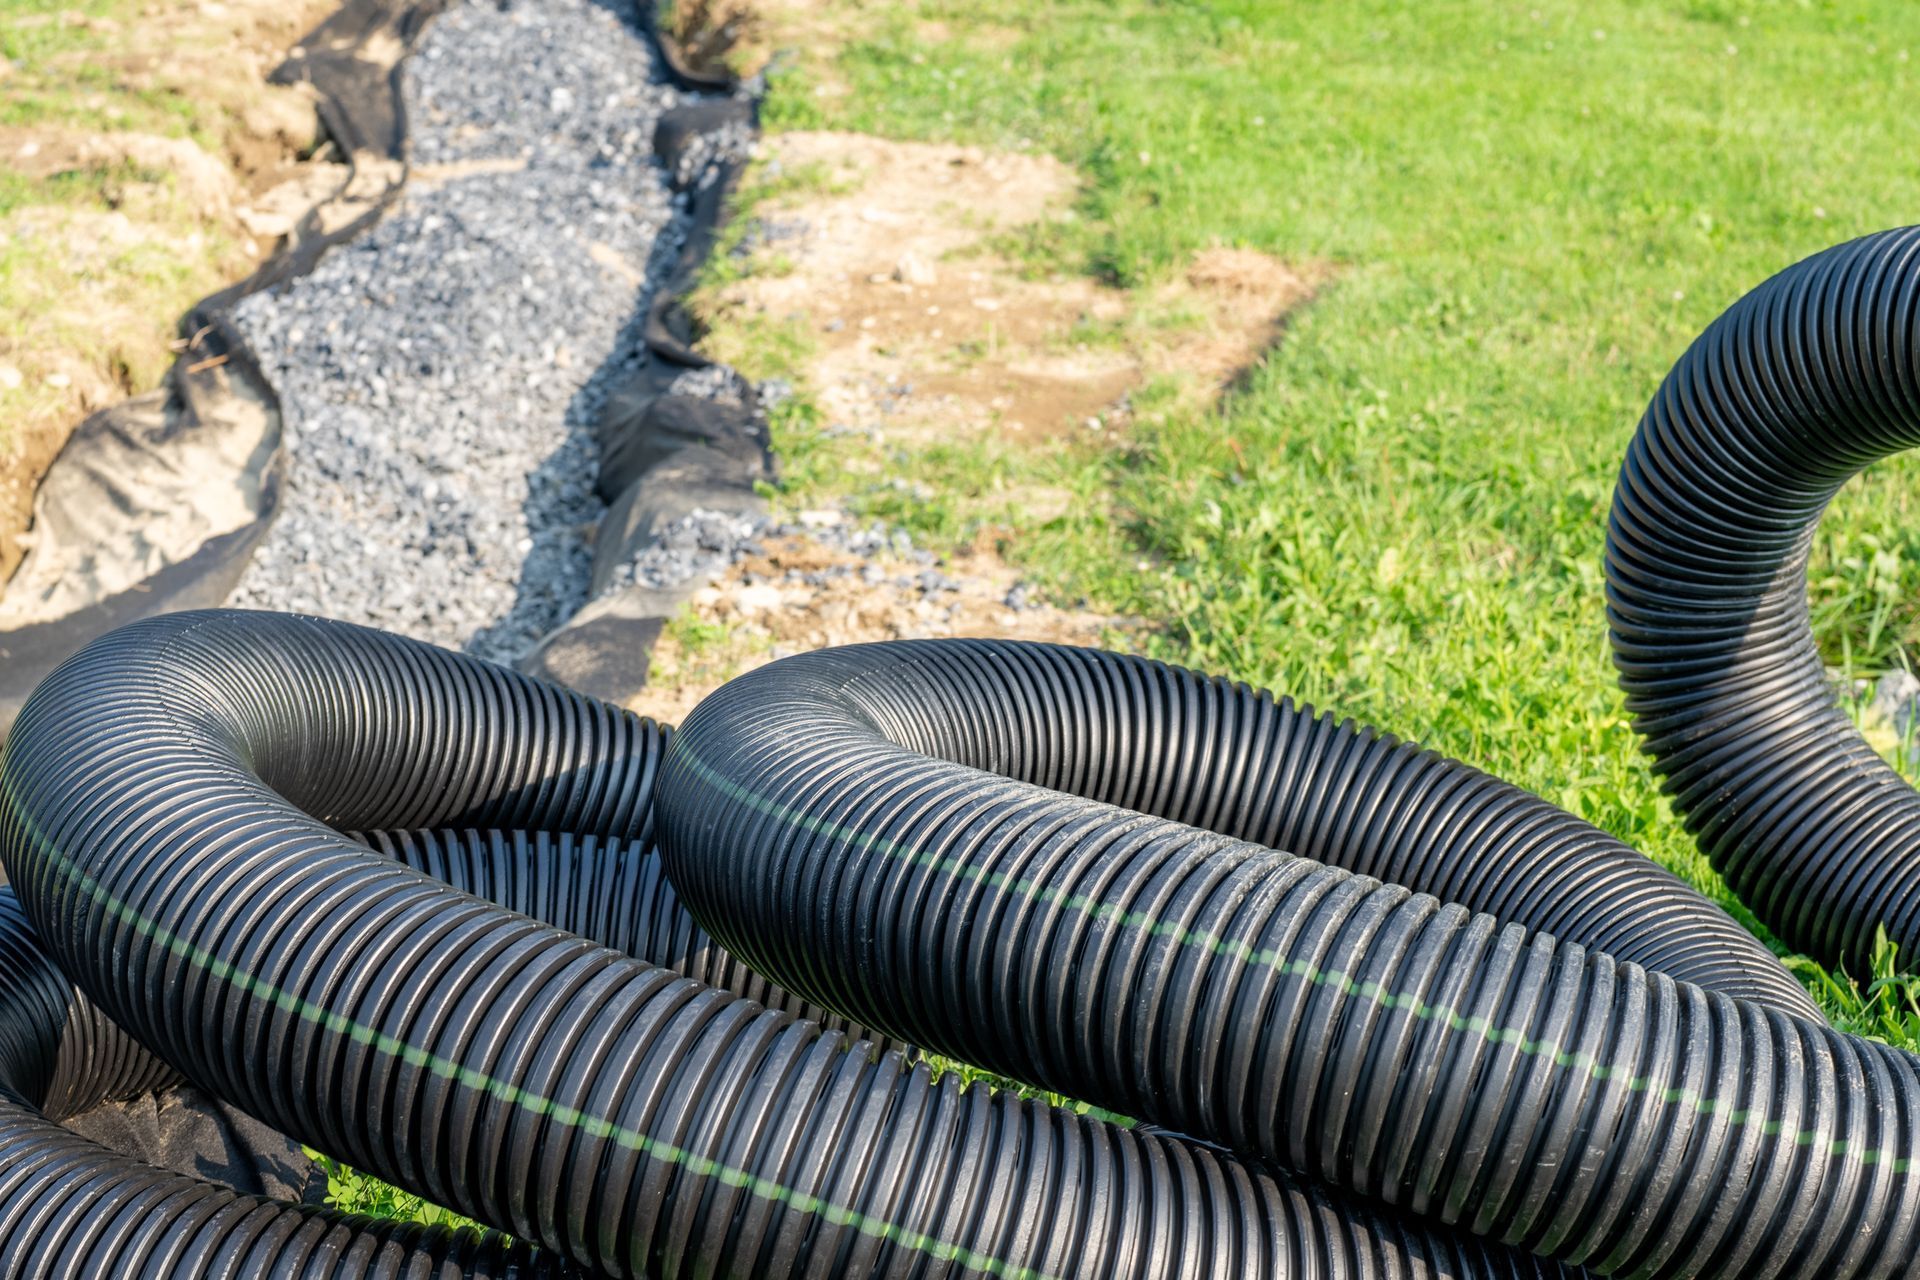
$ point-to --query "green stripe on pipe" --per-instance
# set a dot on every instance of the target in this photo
(539, 1104)
(1576, 1063)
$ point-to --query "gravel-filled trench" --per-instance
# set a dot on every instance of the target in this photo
(440, 374)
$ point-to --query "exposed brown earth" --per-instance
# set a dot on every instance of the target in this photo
(893, 259)
(917, 319)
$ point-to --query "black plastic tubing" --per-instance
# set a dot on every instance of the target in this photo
(171, 803)
(612, 892)
(1031, 858)
(59, 1057)
(73, 1210)
(1801, 384)
(69, 1208)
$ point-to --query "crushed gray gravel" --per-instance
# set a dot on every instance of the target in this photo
(441, 373)
(704, 544)
(698, 545)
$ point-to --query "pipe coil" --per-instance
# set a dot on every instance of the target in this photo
(1030, 857)
(171, 808)
(610, 892)
(72, 1210)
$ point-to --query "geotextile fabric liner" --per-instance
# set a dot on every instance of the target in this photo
(173, 802)
(1799, 386)
(159, 503)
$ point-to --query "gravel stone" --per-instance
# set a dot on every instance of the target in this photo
(713, 382)
(1896, 704)
(441, 373)
(698, 545)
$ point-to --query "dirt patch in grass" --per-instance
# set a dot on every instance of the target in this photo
(888, 257)
(887, 280)
(144, 162)
(804, 593)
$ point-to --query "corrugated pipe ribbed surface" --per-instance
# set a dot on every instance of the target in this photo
(1032, 858)
(1801, 384)
(612, 892)
(73, 1210)
(171, 809)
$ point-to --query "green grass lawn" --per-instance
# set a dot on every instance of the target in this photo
(1534, 208)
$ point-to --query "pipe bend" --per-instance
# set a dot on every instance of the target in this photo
(1800, 385)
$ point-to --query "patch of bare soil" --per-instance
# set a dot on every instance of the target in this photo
(90, 313)
(890, 255)
(920, 324)
(804, 593)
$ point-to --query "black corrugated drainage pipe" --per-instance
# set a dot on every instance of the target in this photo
(612, 892)
(1801, 384)
(171, 802)
(73, 1210)
(983, 847)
